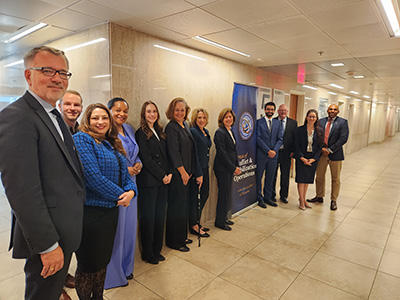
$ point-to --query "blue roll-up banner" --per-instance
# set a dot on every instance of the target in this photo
(244, 105)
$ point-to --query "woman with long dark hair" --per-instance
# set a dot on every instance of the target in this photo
(308, 141)
(152, 183)
(108, 185)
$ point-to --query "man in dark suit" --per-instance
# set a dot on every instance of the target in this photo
(42, 176)
(336, 133)
(269, 140)
(71, 108)
(289, 127)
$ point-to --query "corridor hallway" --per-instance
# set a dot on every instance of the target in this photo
(277, 253)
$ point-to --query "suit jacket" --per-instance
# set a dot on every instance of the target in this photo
(288, 136)
(301, 142)
(226, 158)
(203, 145)
(338, 136)
(45, 191)
(153, 153)
(181, 149)
(267, 140)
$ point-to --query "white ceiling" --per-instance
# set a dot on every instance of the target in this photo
(278, 34)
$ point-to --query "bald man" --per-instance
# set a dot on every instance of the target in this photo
(336, 133)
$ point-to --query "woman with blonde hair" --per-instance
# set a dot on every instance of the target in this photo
(202, 142)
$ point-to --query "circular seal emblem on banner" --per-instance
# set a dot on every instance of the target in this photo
(246, 125)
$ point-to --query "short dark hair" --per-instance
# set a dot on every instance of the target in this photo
(270, 104)
(111, 103)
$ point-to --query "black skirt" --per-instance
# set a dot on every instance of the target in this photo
(306, 174)
(99, 228)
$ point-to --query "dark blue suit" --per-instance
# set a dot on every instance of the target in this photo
(267, 140)
(338, 136)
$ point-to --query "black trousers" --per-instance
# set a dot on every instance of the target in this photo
(224, 182)
(194, 213)
(152, 203)
(177, 213)
(39, 288)
(284, 163)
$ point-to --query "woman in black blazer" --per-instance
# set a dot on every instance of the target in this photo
(307, 142)
(226, 165)
(152, 183)
(202, 142)
(182, 158)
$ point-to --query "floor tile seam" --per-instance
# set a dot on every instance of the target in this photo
(383, 252)
(333, 286)
(147, 288)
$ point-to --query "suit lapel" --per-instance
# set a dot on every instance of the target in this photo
(39, 110)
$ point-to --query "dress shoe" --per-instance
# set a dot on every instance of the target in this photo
(226, 227)
(262, 204)
(189, 241)
(284, 200)
(270, 202)
(64, 296)
(302, 208)
(160, 257)
(192, 231)
(153, 261)
(204, 228)
(229, 222)
(316, 200)
(130, 276)
(333, 205)
(273, 199)
(184, 249)
(70, 281)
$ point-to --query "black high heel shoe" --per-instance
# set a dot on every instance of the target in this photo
(192, 231)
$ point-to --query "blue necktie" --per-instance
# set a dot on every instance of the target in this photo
(68, 141)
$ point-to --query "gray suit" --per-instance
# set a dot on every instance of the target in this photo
(45, 191)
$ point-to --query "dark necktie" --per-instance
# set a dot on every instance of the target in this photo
(269, 125)
(68, 141)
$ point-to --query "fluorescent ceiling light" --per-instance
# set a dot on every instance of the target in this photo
(14, 63)
(332, 93)
(375, 100)
(336, 86)
(26, 31)
(102, 76)
(337, 64)
(180, 52)
(368, 97)
(308, 98)
(309, 87)
(359, 76)
(206, 41)
(347, 97)
(357, 99)
(391, 16)
(84, 44)
(353, 92)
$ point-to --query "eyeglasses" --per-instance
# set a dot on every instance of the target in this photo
(50, 72)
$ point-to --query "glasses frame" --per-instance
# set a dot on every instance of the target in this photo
(42, 69)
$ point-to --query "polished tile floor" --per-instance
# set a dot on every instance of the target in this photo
(278, 253)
